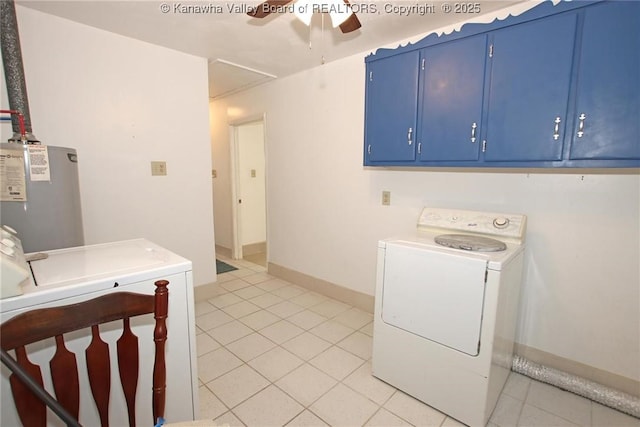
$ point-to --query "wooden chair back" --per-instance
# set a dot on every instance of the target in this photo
(39, 324)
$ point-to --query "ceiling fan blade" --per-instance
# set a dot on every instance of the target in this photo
(265, 8)
(351, 24)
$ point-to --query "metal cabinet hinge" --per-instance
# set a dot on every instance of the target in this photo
(484, 146)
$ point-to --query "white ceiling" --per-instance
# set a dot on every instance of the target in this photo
(245, 51)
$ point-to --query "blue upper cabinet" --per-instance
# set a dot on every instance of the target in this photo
(557, 86)
(451, 100)
(391, 108)
(529, 89)
(606, 119)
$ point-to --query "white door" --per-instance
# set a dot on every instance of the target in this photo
(436, 295)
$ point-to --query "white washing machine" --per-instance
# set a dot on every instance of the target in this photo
(446, 307)
(66, 276)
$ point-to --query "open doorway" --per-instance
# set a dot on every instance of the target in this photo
(249, 191)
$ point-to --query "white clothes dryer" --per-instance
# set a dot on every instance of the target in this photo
(446, 308)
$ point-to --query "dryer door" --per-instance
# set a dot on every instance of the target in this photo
(436, 295)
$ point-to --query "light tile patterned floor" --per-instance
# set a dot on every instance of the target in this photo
(271, 353)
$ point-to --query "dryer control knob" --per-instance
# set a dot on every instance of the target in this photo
(501, 222)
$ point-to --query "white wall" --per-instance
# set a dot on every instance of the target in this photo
(222, 183)
(581, 297)
(122, 103)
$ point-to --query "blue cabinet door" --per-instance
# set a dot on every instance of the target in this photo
(451, 100)
(391, 108)
(606, 122)
(529, 89)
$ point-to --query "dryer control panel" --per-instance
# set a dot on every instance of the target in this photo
(504, 226)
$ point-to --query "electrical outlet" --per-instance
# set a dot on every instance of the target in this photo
(158, 168)
(386, 198)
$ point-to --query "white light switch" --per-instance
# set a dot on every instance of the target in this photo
(386, 198)
(158, 168)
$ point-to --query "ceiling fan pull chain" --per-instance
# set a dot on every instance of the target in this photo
(322, 39)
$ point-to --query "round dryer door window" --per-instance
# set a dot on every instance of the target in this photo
(470, 243)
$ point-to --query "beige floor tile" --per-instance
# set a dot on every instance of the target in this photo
(413, 411)
(330, 308)
(213, 320)
(228, 419)
(266, 300)
(259, 320)
(249, 292)
(337, 349)
(367, 329)
(450, 422)
(241, 309)
(307, 419)
(241, 271)
(306, 384)
(364, 383)
(224, 300)
(205, 344)
(331, 331)
(256, 278)
(270, 407)
(281, 331)
(288, 292)
(272, 285)
(342, 406)
(359, 344)
(230, 332)
(535, 417)
(559, 402)
(234, 285)
(354, 318)
(308, 299)
(210, 406)
(306, 345)
(507, 411)
(285, 309)
(275, 363)
(204, 307)
(517, 386)
(336, 362)
(237, 385)
(384, 418)
(216, 363)
(306, 319)
(251, 346)
(601, 416)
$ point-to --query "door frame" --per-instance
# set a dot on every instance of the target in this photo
(236, 250)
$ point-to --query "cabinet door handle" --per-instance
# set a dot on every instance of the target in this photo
(474, 126)
(556, 128)
(581, 117)
(409, 136)
(369, 149)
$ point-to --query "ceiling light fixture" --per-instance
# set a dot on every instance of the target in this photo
(338, 10)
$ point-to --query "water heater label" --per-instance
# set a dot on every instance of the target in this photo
(39, 163)
(12, 177)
